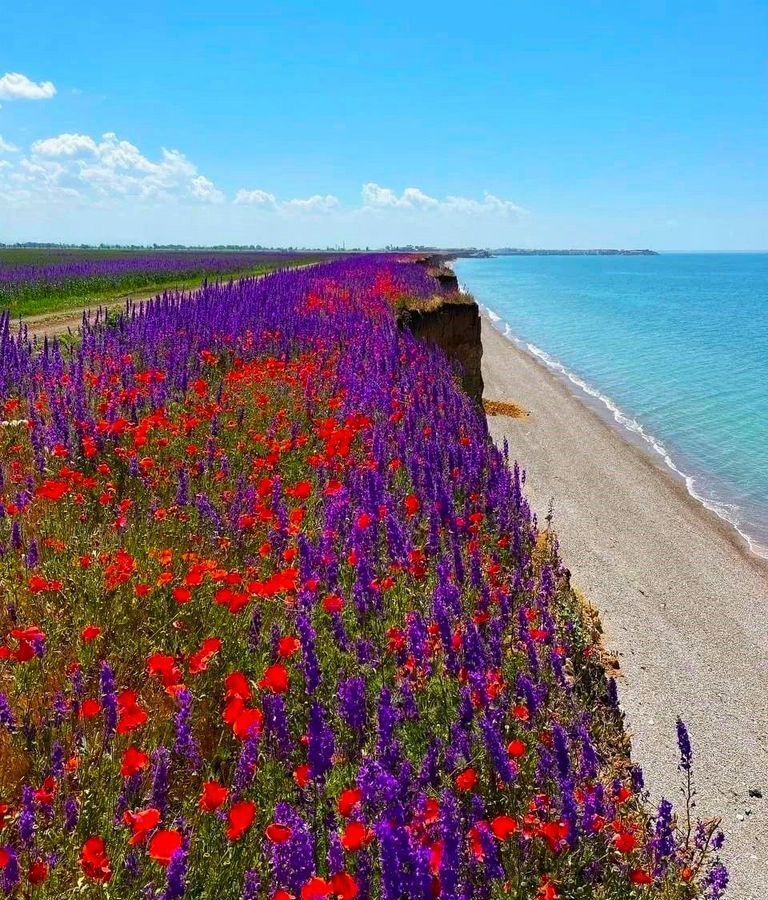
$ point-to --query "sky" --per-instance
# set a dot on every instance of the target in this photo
(589, 124)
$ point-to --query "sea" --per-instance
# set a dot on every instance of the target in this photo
(671, 349)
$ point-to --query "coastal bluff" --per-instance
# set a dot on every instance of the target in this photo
(451, 320)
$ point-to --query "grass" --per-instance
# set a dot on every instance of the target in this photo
(41, 298)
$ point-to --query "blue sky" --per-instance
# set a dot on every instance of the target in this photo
(547, 124)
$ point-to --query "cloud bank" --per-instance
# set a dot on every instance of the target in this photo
(79, 187)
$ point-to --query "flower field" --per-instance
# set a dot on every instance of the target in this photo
(276, 621)
(36, 281)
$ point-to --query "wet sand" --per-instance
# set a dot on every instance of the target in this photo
(683, 601)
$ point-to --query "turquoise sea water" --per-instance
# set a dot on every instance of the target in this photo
(673, 348)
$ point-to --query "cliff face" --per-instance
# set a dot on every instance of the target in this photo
(453, 323)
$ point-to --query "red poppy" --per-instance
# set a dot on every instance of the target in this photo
(279, 834)
(302, 491)
(134, 761)
(412, 504)
(52, 490)
(131, 715)
(344, 886)
(356, 836)
(90, 709)
(302, 776)
(164, 844)
(276, 679)
(517, 748)
(90, 633)
(94, 860)
(182, 595)
(625, 842)
(288, 646)
(466, 780)
(333, 604)
(241, 818)
(504, 827)
(141, 823)
(639, 876)
(555, 834)
(316, 889)
(547, 890)
(248, 722)
(39, 872)
(198, 662)
(214, 795)
(349, 800)
(237, 686)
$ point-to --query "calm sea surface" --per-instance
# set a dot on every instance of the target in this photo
(673, 348)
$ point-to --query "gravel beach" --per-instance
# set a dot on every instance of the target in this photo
(683, 603)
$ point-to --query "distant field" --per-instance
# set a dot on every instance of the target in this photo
(35, 281)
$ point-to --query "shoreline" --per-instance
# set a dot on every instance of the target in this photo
(632, 433)
(681, 596)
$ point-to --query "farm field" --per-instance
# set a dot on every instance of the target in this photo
(33, 282)
(276, 621)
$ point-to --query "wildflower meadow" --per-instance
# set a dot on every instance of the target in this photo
(277, 621)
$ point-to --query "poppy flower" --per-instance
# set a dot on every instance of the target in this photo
(278, 834)
(182, 595)
(316, 889)
(214, 795)
(288, 646)
(90, 633)
(466, 780)
(240, 818)
(131, 716)
(504, 827)
(412, 504)
(276, 679)
(94, 860)
(199, 661)
(38, 872)
(517, 748)
(555, 834)
(248, 722)
(625, 842)
(640, 876)
(302, 776)
(164, 844)
(356, 836)
(134, 761)
(141, 823)
(333, 604)
(237, 686)
(349, 800)
(90, 709)
(344, 886)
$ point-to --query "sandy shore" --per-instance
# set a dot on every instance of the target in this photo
(683, 602)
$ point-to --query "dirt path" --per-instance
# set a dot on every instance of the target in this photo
(681, 600)
(52, 324)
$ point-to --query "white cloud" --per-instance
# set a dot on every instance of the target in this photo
(64, 145)
(77, 166)
(377, 197)
(102, 175)
(204, 189)
(315, 203)
(5, 147)
(255, 198)
(318, 203)
(15, 86)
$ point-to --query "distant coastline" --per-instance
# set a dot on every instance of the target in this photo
(517, 251)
